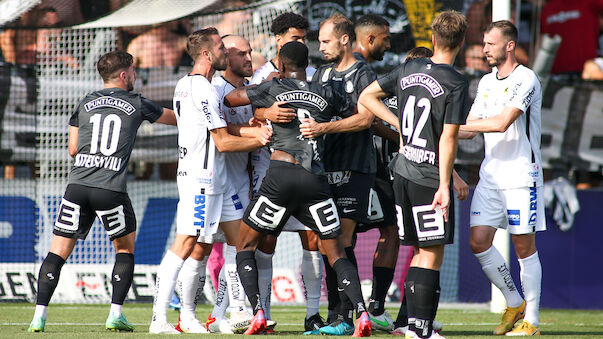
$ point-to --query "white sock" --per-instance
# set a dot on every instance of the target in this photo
(264, 265)
(188, 286)
(531, 278)
(498, 272)
(115, 310)
(236, 293)
(221, 304)
(40, 312)
(167, 273)
(312, 276)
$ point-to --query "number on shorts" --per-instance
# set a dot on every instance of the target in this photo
(111, 128)
(408, 118)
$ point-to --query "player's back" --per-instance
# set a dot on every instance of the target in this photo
(107, 122)
(196, 105)
(310, 100)
(429, 96)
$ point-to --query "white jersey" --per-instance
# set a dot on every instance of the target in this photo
(197, 108)
(260, 159)
(512, 158)
(236, 162)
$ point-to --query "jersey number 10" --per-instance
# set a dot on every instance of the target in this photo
(409, 130)
(109, 138)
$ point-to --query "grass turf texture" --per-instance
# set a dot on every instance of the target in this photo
(87, 321)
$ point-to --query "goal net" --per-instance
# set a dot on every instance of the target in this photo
(42, 94)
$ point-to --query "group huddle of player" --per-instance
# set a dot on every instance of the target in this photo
(296, 150)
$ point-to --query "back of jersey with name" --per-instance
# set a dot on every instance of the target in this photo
(197, 109)
(107, 122)
(429, 96)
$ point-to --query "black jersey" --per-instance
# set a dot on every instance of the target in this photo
(310, 100)
(353, 151)
(429, 96)
(107, 122)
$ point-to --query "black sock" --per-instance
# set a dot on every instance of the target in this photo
(48, 278)
(427, 292)
(382, 279)
(409, 289)
(346, 307)
(402, 319)
(333, 296)
(248, 272)
(347, 277)
(121, 277)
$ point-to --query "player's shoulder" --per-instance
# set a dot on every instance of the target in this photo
(324, 72)
(263, 72)
(221, 85)
(524, 73)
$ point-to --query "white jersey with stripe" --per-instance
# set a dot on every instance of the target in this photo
(512, 158)
(197, 108)
(236, 162)
(260, 159)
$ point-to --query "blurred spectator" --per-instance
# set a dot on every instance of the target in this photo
(475, 60)
(577, 22)
(163, 45)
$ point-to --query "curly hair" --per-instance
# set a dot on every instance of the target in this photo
(283, 22)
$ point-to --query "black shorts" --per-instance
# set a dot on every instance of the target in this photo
(413, 203)
(351, 191)
(81, 204)
(290, 190)
(382, 212)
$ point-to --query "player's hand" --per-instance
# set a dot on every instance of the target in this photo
(255, 122)
(309, 128)
(273, 75)
(263, 134)
(460, 186)
(442, 198)
(278, 114)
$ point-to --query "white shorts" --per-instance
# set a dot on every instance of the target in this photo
(240, 203)
(200, 214)
(518, 210)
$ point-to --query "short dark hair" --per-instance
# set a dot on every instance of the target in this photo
(110, 64)
(371, 20)
(418, 52)
(294, 56)
(199, 40)
(449, 29)
(341, 25)
(506, 27)
(283, 22)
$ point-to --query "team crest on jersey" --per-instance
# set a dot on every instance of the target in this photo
(107, 101)
(391, 102)
(304, 97)
(325, 75)
(423, 80)
(349, 86)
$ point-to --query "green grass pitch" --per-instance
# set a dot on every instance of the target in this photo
(87, 321)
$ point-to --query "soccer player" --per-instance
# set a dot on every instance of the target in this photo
(206, 197)
(237, 169)
(433, 102)
(295, 183)
(509, 192)
(350, 159)
(372, 40)
(102, 131)
(287, 27)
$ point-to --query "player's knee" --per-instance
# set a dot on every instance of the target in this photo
(389, 233)
(478, 245)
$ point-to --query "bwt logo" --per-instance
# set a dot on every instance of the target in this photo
(514, 217)
(199, 211)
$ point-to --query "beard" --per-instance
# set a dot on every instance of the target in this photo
(495, 61)
(377, 55)
(219, 64)
(131, 85)
(243, 71)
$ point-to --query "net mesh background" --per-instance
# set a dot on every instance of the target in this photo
(34, 133)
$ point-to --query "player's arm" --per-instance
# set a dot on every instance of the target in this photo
(237, 97)
(356, 122)
(275, 113)
(370, 100)
(73, 135)
(226, 142)
(447, 153)
(460, 186)
(262, 133)
(499, 123)
(168, 117)
(467, 134)
(385, 132)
